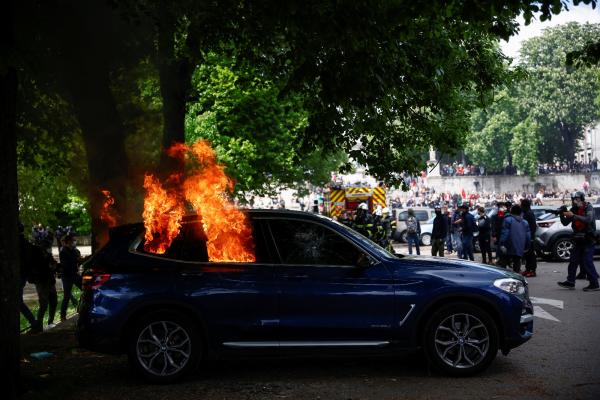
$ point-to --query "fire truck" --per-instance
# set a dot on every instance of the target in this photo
(340, 199)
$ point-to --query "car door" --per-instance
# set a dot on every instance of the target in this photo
(238, 301)
(326, 298)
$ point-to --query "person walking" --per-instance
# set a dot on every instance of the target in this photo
(530, 257)
(583, 223)
(448, 220)
(485, 236)
(413, 231)
(439, 233)
(515, 237)
(43, 267)
(69, 261)
(25, 259)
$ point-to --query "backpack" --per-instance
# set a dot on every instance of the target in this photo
(411, 225)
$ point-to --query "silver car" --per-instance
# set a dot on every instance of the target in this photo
(553, 240)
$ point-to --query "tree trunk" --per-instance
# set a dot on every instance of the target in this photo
(569, 135)
(9, 255)
(175, 82)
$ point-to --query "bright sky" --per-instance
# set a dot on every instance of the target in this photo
(581, 14)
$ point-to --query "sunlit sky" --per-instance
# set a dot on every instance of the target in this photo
(581, 14)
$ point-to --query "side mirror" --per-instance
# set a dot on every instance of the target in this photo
(364, 261)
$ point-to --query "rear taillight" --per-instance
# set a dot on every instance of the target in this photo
(93, 280)
(546, 224)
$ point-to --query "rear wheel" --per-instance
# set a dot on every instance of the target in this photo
(164, 346)
(461, 339)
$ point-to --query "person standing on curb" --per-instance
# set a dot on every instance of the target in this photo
(439, 233)
(468, 227)
(582, 220)
(529, 256)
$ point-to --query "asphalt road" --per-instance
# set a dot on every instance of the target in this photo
(561, 361)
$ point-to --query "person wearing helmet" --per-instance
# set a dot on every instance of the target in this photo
(363, 222)
(583, 222)
(383, 226)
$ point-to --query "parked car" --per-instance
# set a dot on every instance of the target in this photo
(553, 240)
(316, 287)
(423, 214)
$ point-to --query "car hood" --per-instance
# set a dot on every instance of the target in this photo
(455, 268)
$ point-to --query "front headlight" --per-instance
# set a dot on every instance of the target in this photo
(510, 285)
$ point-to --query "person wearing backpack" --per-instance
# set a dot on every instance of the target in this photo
(515, 238)
(413, 231)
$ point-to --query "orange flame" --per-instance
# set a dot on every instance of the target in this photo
(108, 214)
(227, 228)
(163, 211)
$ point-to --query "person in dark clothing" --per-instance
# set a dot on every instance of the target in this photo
(529, 256)
(582, 220)
(448, 219)
(515, 237)
(468, 226)
(43, 267)
(485, 235)
(69, 261)
(456, 232)
(439, 233)
(25, 252)
(497, 220)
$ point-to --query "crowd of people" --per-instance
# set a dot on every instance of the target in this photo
(40, 268)
(459, 169)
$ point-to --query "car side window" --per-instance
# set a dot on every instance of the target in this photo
(402, 216)
(190, 244)
(305, 243)
(422, 215)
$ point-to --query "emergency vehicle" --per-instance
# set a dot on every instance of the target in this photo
(341, 199)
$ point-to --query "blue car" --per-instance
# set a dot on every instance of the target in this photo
(317, 287)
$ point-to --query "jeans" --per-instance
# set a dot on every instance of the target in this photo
(456, 242)
(68, 281)
(48, 300)
(449, 243)
(467, 247)
(413, 238)
(583, 254)
(437, 247)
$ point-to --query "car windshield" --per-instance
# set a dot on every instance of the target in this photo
(366, 241)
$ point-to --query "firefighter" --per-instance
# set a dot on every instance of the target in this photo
(384, 229)
(363, 222)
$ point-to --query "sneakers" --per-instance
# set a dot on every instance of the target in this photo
(529, 274)
(591, 288)
(566, 285)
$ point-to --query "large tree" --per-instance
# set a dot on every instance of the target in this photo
(558, 99)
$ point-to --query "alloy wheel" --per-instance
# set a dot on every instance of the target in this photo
(462, 341)
(563, 249)
(163, 348)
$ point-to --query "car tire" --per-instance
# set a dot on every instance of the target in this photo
(426, 239)
(561, 250)
(461, 339)
(403, 237)
(164, 346)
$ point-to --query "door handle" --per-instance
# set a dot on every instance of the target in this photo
(296, 277)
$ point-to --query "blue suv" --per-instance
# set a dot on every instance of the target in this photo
(316, 287)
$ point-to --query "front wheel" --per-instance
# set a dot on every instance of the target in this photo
(562, 249)
(461, 339)
(164, 346)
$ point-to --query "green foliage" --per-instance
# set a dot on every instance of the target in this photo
(254, 128)
(559, 100)
(524, 147)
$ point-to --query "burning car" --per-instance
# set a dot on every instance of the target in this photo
(308, 285)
